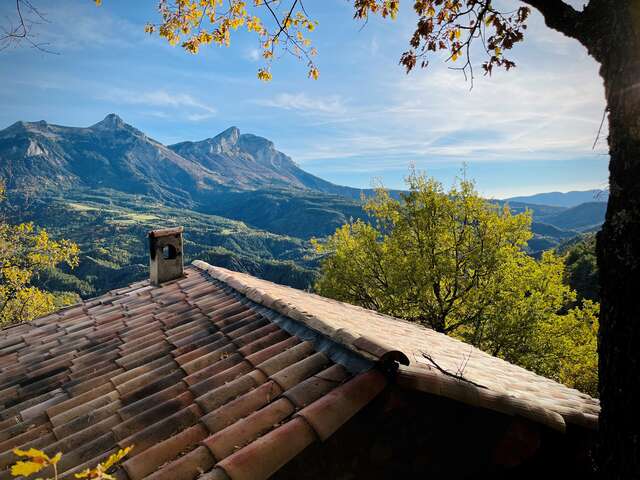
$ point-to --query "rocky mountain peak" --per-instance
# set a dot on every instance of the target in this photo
(111, 121)
(229, 136)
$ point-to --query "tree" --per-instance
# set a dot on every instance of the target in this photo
(428, 257)
(582, 267)
(24, 252)
(456, 263)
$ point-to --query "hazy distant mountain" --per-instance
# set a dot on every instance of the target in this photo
(584, 217)
(560, 199)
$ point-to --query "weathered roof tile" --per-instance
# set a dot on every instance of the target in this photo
(260, 460)
(209, 384)
(148, 461)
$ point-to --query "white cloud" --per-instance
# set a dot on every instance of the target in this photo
(253, 55)
(549, 108)
(199, 117)
(188, 106)
(303, 102)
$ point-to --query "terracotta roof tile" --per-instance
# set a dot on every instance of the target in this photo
(286, 358)
(294, 374)
(96, 447)
(154, 387)
(186, 467)
(89, 405)
(227, 392)
(260, 460)
(333, 410)
(311, 389)
(219, 379)
(383, 338)
(232, 438)
(153, 399)
(162, 429)
(148, 461)
(205, 381)
(206, 373)
(215, 474)
(242, 406)
(139, 422)
(24, 437)
(261, 356)
(86, 420)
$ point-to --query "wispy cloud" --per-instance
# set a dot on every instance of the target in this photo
(304, 102)
(71, 26)
(432, 118)
(253, 54)
(190, 107)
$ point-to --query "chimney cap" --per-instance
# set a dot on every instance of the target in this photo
(165, 232)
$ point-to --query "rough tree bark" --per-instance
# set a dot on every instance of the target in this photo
(610, 30)
(619, 252)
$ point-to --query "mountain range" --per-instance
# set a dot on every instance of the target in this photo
(566, 199)
(114, 154)
(244, 204)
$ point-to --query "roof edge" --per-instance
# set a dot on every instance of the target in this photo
(362, 345)
(462, 391)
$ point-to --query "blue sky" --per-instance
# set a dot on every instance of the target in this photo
(525, 131)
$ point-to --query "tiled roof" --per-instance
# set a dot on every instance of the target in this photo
(200, 379)
(432, 361)
(220, 375)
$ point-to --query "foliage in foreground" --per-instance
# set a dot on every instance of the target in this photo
(582, 268)
(456, 263)
(25, 251)
(37, 460)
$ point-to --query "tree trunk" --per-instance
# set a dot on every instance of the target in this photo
(618, 50)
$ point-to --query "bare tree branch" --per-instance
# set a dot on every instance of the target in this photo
(20, 30)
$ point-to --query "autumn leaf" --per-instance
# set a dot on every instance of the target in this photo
(22, 468)
(264, 75)
(100, 470)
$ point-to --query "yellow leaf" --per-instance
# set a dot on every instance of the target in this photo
(32, 453)
(115, 458)
(26, 468)
(83, 474)
(264, 75)
(56, 458)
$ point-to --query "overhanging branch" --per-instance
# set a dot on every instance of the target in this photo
(561, 17)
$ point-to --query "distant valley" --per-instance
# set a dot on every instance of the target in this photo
(244, 204)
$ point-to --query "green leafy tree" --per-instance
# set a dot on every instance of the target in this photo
(428, 257)
(24, 252)
(454, 262)
(582, 268)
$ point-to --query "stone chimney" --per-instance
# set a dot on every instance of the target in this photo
(165, 255)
